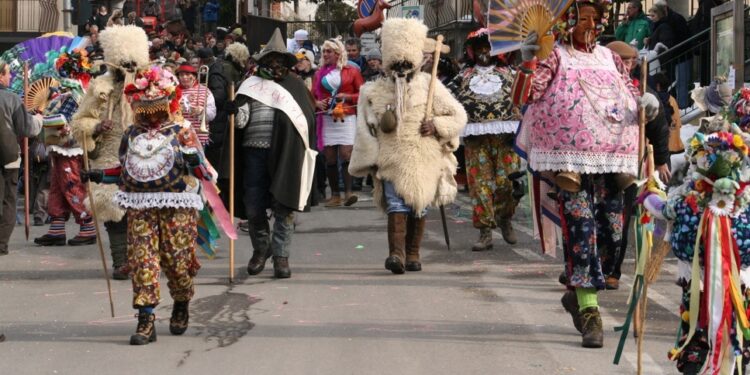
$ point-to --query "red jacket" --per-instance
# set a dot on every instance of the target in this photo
(351, 80)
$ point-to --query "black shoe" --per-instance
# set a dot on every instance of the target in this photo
(49, 240)
(281, 268)
(145, 332)
(81, 241)
(394, 265)
(413, 266)
(38, 222)
(121, 273)
(178, 323)
(563, 278)
(3, 252)
(258, 262)
(570, 304)
(593, 333)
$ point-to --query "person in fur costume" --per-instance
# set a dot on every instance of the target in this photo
(483, 87)
(581, 123)
(67, 192)
(100, 121)
(409, 157)
(161, 165)
(709, 232)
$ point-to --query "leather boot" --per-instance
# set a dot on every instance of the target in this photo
(281, 268)
(178, 323)
(81, 241)
(593, 334)
(414, 232)
(506, 229)
(260, 236)
(145, 332)
(396, 242)
(485, 240)
(49, 240)
(570, 304)
(121, 272)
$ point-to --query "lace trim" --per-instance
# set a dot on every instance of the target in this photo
(583, 162)
(492, 127)
(64, 151)
(158, 200)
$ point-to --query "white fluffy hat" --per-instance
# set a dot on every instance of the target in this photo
(123, 44)
(402, 40)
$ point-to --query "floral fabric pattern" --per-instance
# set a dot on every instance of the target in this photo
(489, 160)
(66, 191)
(592, 225)
(162, 238)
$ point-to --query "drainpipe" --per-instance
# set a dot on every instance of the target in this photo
(67, 13)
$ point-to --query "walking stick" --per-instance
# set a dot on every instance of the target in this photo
(93, 216)
(231, 184)
(25, 152)
(428, 116)
(640, 318)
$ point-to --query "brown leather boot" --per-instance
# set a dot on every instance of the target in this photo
(414, 232)
(178, 323)
(570, 304)
(396, 242)
(281, 268)
(145, 332)
(506, 229)
(593, 333)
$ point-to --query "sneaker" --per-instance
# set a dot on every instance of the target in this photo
(244, 226)
(350, 200)
(570, 304)
(593, 333)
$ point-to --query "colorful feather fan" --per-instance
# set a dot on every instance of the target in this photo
(511, 21)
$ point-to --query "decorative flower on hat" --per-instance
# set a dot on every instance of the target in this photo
(568, 19)
(74, 64)
(155, 84)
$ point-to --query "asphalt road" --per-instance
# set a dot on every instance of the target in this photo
(495, 312)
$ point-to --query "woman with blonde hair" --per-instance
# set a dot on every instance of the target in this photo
(336, 90)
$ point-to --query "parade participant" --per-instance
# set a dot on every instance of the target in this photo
(710, 236)
(67, 192)
(196, 98)
(276, 112)
(161, 164)
(483, 87)
(336, 90)
(582, 118)
(305, 67)
(14, 122)
(102, 116)
(409, 156)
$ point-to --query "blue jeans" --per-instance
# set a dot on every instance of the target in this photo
(256, 183)
(394, 202)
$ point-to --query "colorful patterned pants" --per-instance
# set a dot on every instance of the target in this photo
(591, 223)
(489, 160)
(66, 191)
(162, 238)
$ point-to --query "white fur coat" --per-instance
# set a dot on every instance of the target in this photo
(104, 149)
(420, 168)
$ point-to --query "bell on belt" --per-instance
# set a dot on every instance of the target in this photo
(388, 121)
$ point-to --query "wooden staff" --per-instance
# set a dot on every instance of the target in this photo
(25, 152)
(643, 146)
(231, 183)
(93, 215)
(428, 116)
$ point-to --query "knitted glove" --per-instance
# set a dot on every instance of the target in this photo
(650, 103)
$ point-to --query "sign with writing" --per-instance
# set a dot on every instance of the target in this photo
(413, 11)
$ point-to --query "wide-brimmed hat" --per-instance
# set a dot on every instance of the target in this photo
(276, 45)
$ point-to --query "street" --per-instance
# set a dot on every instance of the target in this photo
(495, 312)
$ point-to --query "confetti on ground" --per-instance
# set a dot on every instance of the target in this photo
(459, 221)
(318, 254)
(359, 247)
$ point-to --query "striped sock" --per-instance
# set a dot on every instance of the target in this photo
(57, 227)
(87, 229)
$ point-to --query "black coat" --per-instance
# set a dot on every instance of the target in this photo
(286, 153)
(662, 33)
(220, 75)
(657, 133)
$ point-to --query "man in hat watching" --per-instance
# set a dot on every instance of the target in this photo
(276, 118)
(196, 99)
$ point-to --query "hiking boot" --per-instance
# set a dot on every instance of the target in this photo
(593, 334)
(281, 268)
(121, 273)
(80, 241)
(506, 229)
(612, 283)
(178, 323)
(414, 232)
(396, 243)
(570, 304)
(350, 200)
(485, 240)
(145, 332)
(334, 201)
(258, 261)
(50, 240)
